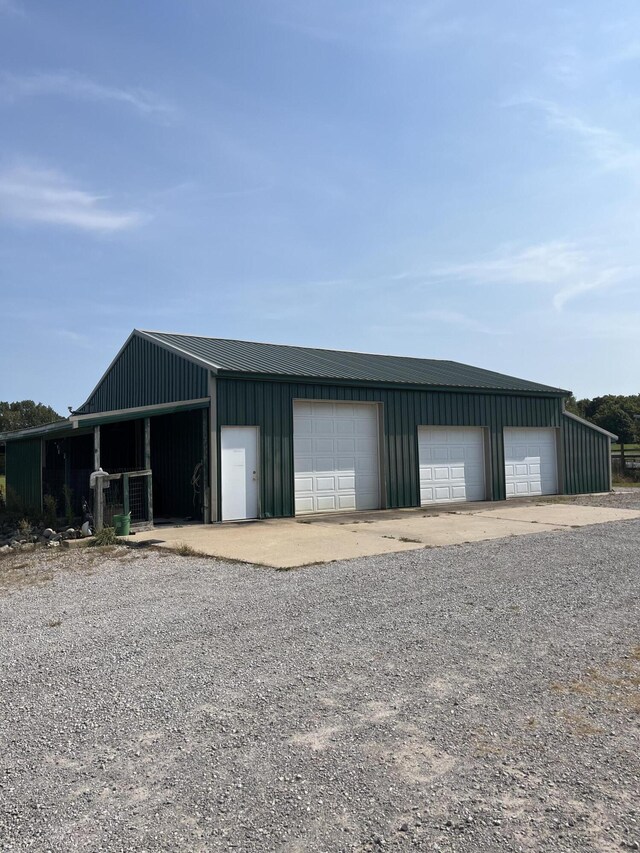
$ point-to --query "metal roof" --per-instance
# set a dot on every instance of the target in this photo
(255, 359)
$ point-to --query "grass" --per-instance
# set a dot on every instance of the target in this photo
(186, 550)
(612, 688)
(627, 447)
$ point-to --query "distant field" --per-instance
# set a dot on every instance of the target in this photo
(627, 448)
(3, 484)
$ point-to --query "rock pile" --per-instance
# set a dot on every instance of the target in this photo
(23, 536)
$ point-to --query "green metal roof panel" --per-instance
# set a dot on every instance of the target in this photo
(250, 358)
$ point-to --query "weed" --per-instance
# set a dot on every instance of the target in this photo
(106, 536)
(186, 550)
(50, 511)
(24, 526)
(580, 725)
(54, 623)
(409, 539)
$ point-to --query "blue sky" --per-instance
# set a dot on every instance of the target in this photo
(447, 179)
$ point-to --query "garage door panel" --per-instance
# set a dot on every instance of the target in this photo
(346, 502)
(302, 446)
(303, 464)
(323, 463)
(323, 427)
(346, 463)
(367, 446)
(530, 461)
(366, 465)
(326, 484)
(340, 471)
(347, 483)
(304, 504)
(325, 502)
(451, 464)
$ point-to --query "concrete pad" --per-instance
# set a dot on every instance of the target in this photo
(280, 543)
(452, 529)
(560, 514)
(287, 543)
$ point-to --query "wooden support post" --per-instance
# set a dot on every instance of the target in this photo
(147, 465)
(125, 494)
(98, 495)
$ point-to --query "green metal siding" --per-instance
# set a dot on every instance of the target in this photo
(24, 475)
(269, 405)
(146, 374)
(586, 458)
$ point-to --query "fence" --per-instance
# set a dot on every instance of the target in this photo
(631, 470)
(126, 492)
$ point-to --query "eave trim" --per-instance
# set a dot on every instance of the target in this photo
(138, 412)
(201, 362)
(589, 424)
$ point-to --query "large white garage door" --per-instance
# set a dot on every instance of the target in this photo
(335, 456)
(530, 464)
(451, 464)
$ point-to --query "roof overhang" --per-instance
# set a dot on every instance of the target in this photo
(99, 418)
(48, 430)
(398, 386)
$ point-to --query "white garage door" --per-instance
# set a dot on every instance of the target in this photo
(530, 462)
(451, 464)
(335, 456)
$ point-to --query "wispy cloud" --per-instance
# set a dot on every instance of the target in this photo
(380, 24)
(46, 196)
(10, 7)
(605, 146)
(457, 319)
(75, 338)
(567, 267)
(66, 84)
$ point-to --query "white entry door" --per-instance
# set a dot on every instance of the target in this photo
(451, 463)
(530, 462)
(335, 450)
(239, 472)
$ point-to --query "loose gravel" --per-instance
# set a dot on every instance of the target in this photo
(482, 697)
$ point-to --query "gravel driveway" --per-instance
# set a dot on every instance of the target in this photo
(471, 698)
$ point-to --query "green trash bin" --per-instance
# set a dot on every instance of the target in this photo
(122, 524)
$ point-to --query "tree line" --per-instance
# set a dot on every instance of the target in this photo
(616, 413)
(25, 413)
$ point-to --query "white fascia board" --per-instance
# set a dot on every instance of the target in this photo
(589, 424)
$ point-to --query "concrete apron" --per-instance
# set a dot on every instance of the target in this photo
(287, 543)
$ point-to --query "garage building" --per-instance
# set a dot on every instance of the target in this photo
(222, 430)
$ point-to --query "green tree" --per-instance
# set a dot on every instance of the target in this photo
(572, 405)
(25, 413)
(611, 416)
